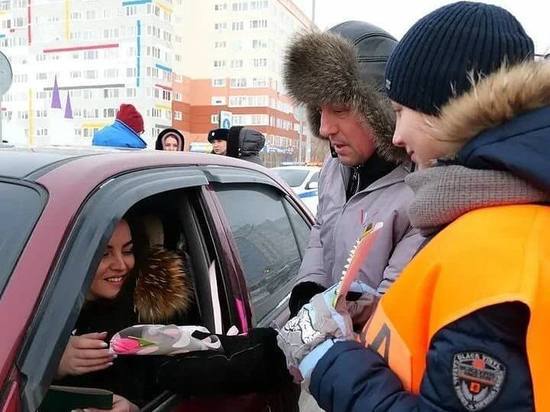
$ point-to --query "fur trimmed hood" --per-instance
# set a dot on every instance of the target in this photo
(344, 66)
(163, 288)
(170, 132)
(502, 123)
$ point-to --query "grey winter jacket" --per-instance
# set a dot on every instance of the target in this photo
(339, 224)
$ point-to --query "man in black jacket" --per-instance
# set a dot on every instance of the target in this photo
(245, 143)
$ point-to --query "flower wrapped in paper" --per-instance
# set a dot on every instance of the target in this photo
(163, 340)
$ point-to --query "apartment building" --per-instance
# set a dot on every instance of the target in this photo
(231, 55)
(180, 62)
(99, 53)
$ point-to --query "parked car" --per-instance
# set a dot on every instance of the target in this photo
(244, 231)
(304, 181)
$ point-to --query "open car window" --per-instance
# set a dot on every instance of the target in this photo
(76, 265)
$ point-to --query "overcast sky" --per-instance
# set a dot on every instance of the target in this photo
(397, 16)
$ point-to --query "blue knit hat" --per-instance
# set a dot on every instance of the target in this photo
(432, 62)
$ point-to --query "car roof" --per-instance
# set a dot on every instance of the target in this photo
(33, 163)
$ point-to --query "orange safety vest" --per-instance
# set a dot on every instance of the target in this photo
(488, 256)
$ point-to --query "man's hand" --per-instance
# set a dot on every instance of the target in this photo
(120, 404)
(84, 354)
(360, 303)
(316, 322)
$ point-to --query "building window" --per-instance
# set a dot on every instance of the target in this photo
(214, 119)
(258, 24)
(220, 44)
(220, 26)
(218, 100)
(220, 6)
(237, 26)
(178, 115)
(110, 93)
(259, 44)
(131, 10)
(248, 101)
(238, 83)
(236, 64)
(90, 74)
(240, 6)
(90, 55)
(256, 5)
(110, 73)
(219, 63)
(20, 78)
(109, 112)
(259, 82)
(218, 82)
(251, 120)
(259, 62)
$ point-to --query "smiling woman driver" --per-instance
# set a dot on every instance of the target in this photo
(109, 307)
(89, 352)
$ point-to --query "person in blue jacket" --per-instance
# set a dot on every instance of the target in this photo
(472, 109)
(124, 132)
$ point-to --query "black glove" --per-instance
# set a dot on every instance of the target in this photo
(251, 363)
(302, 294)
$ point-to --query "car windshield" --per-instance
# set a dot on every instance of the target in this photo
(294, 177)
(20, 207)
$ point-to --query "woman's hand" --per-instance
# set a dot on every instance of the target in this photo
(120, 404)
(85, 353)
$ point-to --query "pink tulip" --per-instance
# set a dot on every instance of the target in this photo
(125, 346)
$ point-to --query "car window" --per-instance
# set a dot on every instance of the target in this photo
(301, 228)
(270, 236)
(294, 177)
(315, 177)
(20, 207)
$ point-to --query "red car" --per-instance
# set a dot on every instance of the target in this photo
(244, 230)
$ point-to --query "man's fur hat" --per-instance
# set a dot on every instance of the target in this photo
(344, 66)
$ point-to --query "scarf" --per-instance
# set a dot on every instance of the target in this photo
(444, 193)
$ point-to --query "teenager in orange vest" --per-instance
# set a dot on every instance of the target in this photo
(465, 326)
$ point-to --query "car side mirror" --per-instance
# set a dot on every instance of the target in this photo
(312, 185)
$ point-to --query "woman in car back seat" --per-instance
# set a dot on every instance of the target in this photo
(118, 299)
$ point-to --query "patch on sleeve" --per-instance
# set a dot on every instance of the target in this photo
(477, 379)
